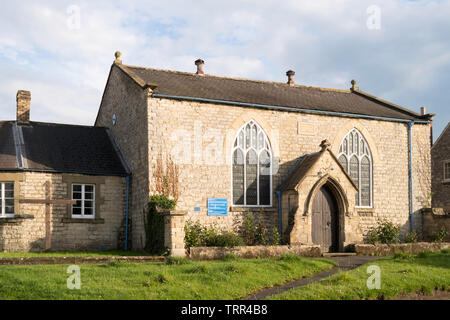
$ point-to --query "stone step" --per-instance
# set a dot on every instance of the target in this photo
(338, 254)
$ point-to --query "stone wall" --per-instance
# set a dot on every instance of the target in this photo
(200, 136)
(174, 232)
(433, 221)
(127, 100)
(210, 253)
(441, 188)
(391, 249)
(26, 231)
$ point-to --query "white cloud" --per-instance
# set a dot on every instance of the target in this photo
(326, 42)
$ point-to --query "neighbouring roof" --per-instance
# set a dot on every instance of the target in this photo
(301, 169)
(190, 85)
(58, 148)
(445, 132)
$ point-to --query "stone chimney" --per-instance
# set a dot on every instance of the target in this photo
(423, 110)
(199, 63)
(290, 74)
(23, 99)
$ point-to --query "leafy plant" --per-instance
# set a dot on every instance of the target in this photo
(256, 232)
(197, 235)
(412, 237)
(441, 235)
(384, 232)
(154, 222)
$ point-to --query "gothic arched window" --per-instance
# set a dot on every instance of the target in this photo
(355, 157)
(251, 167)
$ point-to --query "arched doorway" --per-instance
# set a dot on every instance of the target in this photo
(325, 224)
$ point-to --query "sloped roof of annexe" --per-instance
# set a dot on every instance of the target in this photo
(62, 148)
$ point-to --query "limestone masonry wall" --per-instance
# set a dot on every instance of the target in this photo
(26, 232)
(200, 135)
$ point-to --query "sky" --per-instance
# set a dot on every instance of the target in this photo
(62, 51)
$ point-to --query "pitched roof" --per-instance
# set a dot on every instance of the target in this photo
(188, 85)
(58, 148)
(296, 175)
(444, 132)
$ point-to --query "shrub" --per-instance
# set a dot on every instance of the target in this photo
(440, 236)
(256, 233)
(412, 237)
(197, 235)
(384, 232)
(403, 256)
(154, 222)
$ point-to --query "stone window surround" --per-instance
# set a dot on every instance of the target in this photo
(94, 180)
(83, 199)
(348, 155)
(16, 178)
(444, 163)
(252, 122)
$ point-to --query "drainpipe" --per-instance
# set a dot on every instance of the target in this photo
(280, 226)
(126, 214)
(411, 209)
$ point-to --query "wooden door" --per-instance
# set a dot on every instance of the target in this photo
(324, 221)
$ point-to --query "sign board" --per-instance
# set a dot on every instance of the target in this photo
(217, 206)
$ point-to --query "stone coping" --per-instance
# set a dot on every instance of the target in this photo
(383, 250)
(78, 260)
(212, 253)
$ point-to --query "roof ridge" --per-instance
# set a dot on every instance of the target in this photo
(239, 79)
(63, 124)
(441, 135)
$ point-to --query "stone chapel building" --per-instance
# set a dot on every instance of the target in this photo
(322, 165)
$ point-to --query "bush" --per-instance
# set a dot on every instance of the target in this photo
(412, 237)
(440, 236)
(256, 233)
(385, 232)
(154, 223)
(197, 235)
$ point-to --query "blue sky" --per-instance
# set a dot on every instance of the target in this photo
(62, 51)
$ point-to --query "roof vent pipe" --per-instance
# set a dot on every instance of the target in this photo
(199, 63)
(290, 74)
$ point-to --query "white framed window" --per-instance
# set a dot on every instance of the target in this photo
(6, 199)
(251, 169)
(356, 158)
(447, 171)
(84, 194)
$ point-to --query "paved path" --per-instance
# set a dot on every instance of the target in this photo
(344, 263)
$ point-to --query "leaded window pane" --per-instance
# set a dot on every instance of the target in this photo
(251, 178)
(343, 161)
(264, 178)
(238, 177)
(365, 182)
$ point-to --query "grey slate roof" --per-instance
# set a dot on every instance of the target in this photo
(182, 84)
(58, 148)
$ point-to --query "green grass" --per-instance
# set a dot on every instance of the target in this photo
(99, 253)
(400, 275)
(230, 278)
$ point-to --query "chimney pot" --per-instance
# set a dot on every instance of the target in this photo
(199, 63)
(354, 87)
(423, 110)
(290, 74)
(23, 99)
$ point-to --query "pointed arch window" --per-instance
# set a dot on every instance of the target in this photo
(356, 158)
(251, 167)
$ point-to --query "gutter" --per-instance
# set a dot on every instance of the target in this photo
(306, 110)
(411, 209)
(127, 211)
(280, 221)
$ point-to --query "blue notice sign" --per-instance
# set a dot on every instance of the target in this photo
(217, 206)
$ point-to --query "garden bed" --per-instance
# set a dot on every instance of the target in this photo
(391, 249)
(211, 253)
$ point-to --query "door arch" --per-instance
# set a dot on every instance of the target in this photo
(325, 220)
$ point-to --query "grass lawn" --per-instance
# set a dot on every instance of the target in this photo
(176, 279)
(99, 253)
(401, 274)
